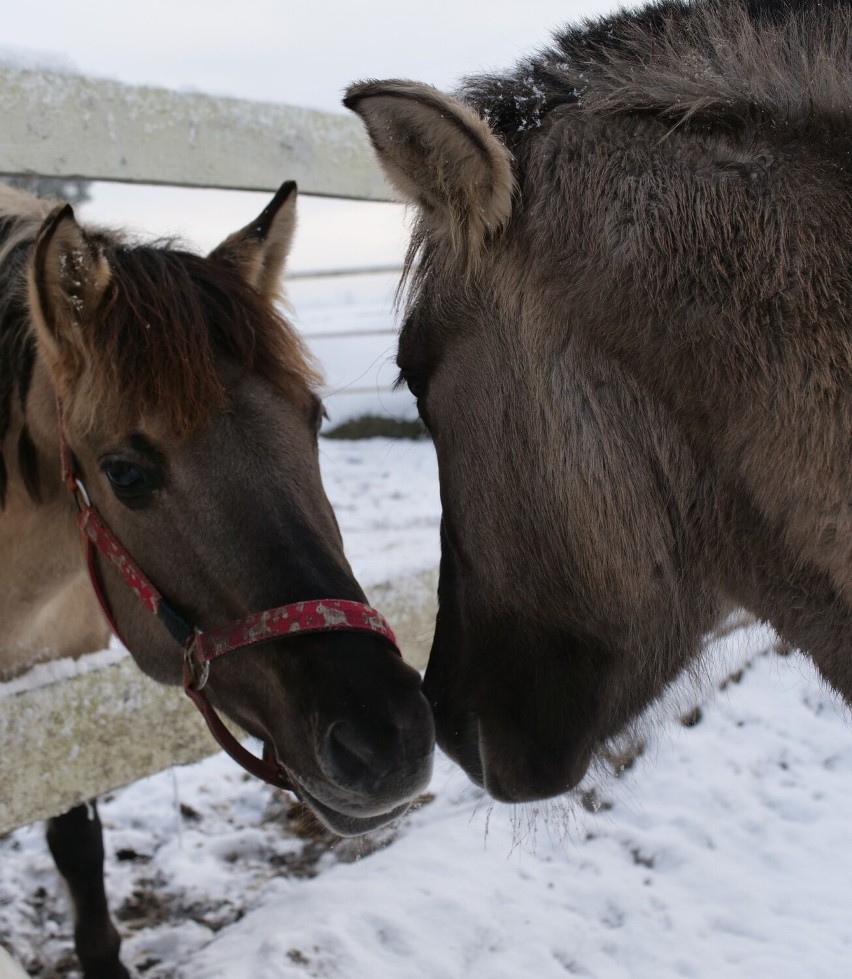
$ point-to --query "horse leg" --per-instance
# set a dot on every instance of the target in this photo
(76, 842)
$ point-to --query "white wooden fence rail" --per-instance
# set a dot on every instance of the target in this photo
(71, 740)
(66, 125)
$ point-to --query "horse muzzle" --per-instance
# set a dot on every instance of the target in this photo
(358, 743)
(510, 764)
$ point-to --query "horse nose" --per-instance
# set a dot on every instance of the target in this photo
(363, 754)
(349, 755)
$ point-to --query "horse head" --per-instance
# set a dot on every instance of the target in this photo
(625, 326)
(190, 416)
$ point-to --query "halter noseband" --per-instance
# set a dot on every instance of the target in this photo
(201, 647)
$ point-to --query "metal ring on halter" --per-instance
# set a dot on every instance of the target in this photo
(81, 489)
(199, 672)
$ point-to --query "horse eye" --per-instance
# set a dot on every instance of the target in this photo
(126, 478)
(416, 384)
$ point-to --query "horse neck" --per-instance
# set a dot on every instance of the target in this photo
(47, 608)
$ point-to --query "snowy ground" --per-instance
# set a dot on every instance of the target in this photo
(722, 851)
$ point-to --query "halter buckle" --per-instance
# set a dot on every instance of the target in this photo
(195, 674)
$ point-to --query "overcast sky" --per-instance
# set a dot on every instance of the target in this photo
(304, 54)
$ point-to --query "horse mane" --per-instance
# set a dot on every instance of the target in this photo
(165, 319)
(715, 65)
(154, 342)
(718, 63)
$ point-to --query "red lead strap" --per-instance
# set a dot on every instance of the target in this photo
(201, 647)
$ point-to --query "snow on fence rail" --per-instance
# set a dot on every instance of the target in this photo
(66, 125)
(70, 739)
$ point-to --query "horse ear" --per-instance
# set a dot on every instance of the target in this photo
(440, 155)
(259, 250)
(68, 276)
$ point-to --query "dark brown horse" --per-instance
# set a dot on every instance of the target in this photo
(629, 332)
(190, 415)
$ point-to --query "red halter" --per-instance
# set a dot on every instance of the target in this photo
(201, 647)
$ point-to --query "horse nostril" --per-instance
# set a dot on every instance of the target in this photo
(349, 755)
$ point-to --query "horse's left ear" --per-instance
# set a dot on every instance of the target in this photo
(68, 276)
(440, 155)
(259, 250)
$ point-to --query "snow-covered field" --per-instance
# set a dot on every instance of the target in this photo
(722, 851)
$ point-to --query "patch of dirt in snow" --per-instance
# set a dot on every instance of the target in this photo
(175, 876)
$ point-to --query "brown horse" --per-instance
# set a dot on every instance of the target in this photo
(189, 414)
(629, 332)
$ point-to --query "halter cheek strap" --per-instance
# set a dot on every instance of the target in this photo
(200, 647)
